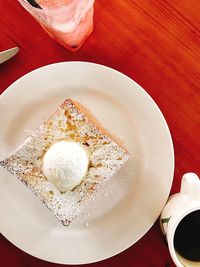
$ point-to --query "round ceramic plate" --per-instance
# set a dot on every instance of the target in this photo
(123, 210)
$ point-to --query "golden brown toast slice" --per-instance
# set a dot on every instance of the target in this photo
(69, 122)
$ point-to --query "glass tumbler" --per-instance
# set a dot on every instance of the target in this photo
(69, 24)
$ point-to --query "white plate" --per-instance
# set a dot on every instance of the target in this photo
(127, 207)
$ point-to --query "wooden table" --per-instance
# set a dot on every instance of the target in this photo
(156, 43)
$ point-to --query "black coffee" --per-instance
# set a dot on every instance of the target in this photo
(187, 237)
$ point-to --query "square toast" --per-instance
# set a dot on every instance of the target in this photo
(71, 122)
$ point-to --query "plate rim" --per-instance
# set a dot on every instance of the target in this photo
(8, 90)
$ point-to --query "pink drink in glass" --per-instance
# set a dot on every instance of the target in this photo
(69, 22)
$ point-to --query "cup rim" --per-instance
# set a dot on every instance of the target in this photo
(48, 9)
(173, 223)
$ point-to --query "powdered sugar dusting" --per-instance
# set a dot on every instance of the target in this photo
(67, 123)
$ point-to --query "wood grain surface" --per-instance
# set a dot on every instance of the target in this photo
(156, 43)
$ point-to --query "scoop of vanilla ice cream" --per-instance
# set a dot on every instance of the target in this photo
(65, 164)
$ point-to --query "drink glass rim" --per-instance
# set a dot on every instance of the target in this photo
(50, 9)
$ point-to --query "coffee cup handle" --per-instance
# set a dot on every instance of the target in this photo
(190, 185)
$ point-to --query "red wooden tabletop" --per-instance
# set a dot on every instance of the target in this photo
(156, 43)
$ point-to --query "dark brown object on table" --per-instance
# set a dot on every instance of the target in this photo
(34, 3)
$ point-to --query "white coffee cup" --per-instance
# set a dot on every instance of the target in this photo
(176, 209)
